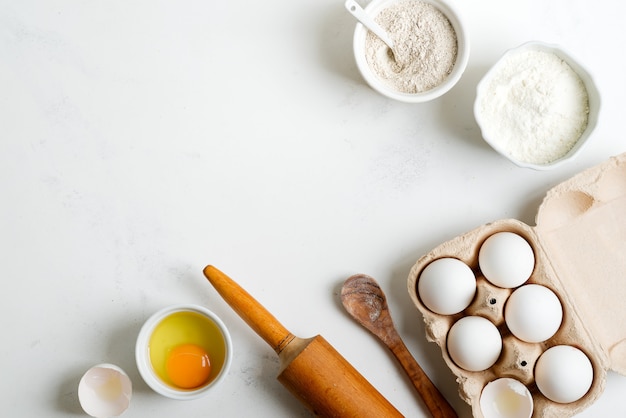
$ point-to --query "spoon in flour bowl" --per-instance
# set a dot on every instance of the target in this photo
(366, 20)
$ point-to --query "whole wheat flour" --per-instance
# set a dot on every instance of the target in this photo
(425, 47)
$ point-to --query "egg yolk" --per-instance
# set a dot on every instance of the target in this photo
(188, 366)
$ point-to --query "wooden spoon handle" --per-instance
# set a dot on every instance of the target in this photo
(436, 403)
(251, 311)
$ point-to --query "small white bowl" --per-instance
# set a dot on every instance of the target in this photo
(462, 56)
(592, 94)
(220, 352)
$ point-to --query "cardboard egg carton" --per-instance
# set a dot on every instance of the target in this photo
(579, 243)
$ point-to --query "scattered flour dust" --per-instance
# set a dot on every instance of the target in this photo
(402, 165)
(535, 107)
(425, 47)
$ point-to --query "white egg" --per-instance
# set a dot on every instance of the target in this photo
(474, 343)
(447, 286)
(533, 313)
(506, 398)
(104, 391)
(506, 259)
(563, 374)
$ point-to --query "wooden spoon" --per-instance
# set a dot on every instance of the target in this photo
(365, 301)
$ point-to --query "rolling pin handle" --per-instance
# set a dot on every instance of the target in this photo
(251, 311)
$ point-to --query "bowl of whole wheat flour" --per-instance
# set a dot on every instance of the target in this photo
(537, 106)
(430, 49)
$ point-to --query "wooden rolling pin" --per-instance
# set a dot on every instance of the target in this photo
(311, 369)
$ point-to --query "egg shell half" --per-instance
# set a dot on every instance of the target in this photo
(105, 391)
(506, 398)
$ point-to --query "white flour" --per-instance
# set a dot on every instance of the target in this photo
(425, 47)
(535, 108)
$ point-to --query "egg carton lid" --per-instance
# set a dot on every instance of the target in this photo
(581, 224)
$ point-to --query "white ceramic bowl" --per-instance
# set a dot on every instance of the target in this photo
(592, 94)
(220, 352)
(462, 57)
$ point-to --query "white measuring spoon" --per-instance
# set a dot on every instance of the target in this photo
(361, 15)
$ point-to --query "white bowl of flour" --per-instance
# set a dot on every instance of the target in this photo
(537, 106)
(431, 49)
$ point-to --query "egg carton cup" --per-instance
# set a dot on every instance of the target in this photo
(579, 243)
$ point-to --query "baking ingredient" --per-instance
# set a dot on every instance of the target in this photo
(447, 286)
(425, 47)
(534, 107)
(188, 366)
(184, 349)
(533, 313)
(506, 398)
(474, 343)
(563, 373)
(506, 259)
(104, 391)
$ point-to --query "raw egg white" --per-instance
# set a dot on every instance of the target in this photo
(563, 374)
(506, 398)
(533, 313)
(506, 259)
(474, 343)
(104, 391)
(447, 286)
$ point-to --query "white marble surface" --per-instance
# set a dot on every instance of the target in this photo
(142, 140)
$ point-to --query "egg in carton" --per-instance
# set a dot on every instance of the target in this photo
(579, 247)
